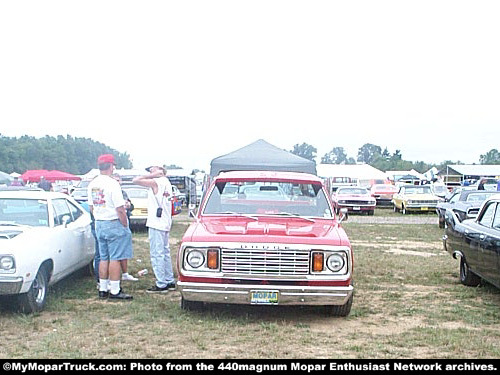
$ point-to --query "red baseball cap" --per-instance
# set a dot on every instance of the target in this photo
(106, 158)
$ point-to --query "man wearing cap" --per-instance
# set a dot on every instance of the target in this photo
(159, 223)
(111, 224)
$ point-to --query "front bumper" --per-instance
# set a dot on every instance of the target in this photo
(357, 207)
(420, 207)
(241, 294)
(10, 285)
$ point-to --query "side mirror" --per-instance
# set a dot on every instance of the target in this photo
(193, 210)
(66, 219)
(343, 215)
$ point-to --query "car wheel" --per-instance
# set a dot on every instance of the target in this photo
(371, 212)
(467, 277)
(36, 297)
(403, 210)
(395, 208)
(191, 305)
(340, 310)
(441, 222)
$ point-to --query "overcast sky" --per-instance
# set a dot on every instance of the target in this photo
(183, 82)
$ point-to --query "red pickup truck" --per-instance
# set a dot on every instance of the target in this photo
(266, 238)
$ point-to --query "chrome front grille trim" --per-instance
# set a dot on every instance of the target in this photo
(265, 262)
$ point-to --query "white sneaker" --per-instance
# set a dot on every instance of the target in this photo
(129, 277)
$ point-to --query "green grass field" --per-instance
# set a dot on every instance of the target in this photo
(408, 303)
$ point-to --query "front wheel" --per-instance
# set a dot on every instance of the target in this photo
(466, 276)
(36, 297)
(340, 310)
(191, 305)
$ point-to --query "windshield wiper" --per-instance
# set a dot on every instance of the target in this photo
(295, 215)
(237, 214)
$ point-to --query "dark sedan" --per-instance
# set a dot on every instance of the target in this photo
(477, 243)
(465, 204)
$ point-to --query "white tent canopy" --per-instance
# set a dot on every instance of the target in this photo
(354, 171)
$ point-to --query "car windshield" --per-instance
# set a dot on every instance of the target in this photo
(477, 197)
(16, 211)
(418, 190)
(268, 198)
(440, 189)
(352, 191)
(136, 193)
(385, 187)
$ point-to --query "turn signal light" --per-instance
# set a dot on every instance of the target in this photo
(318, 262)
(212, 259)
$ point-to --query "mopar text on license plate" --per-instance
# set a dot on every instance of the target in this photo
(264, 297)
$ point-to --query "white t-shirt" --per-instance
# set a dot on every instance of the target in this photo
(105, 194)
(162, 199)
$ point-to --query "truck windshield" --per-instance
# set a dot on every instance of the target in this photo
(268, 198)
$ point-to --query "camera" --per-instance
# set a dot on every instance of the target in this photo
(159, 211)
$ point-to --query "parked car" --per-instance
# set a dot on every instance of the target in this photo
(477, 243)
(440, 190)
(355, 199)
(266, 250)
(383, 193)
(414, 198)
(44, 237)
(464, 202)
(80, 195)
(181, 197)
(138, 195)
(489, 184)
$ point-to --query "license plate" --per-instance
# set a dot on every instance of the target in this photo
(424, 208)
(264, 297)
(356, 208)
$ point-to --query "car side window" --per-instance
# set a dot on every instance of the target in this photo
(75, 211)
(488, 214)
(455, 198)
(496, 219)
(60, 210)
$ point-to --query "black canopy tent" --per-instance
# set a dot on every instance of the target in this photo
(261, 156)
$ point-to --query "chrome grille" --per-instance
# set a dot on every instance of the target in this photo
(429, 202)
(265, 262)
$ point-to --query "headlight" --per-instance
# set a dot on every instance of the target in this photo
(410, 201)
(195, 259)
(7, 263)
(335, 262)
(201, 259)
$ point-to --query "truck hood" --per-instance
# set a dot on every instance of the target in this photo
(267, 229)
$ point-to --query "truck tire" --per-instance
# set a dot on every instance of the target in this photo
(340, 310)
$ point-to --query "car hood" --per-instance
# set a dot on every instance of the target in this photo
(8, 232)
(267, 229)
(354, 196)
(421, 197)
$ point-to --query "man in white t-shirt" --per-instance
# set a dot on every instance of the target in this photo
(159, 223)
(107, 205)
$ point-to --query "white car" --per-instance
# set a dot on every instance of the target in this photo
(44, 237)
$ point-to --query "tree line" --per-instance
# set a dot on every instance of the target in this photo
(68, 154)
(381, 158)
